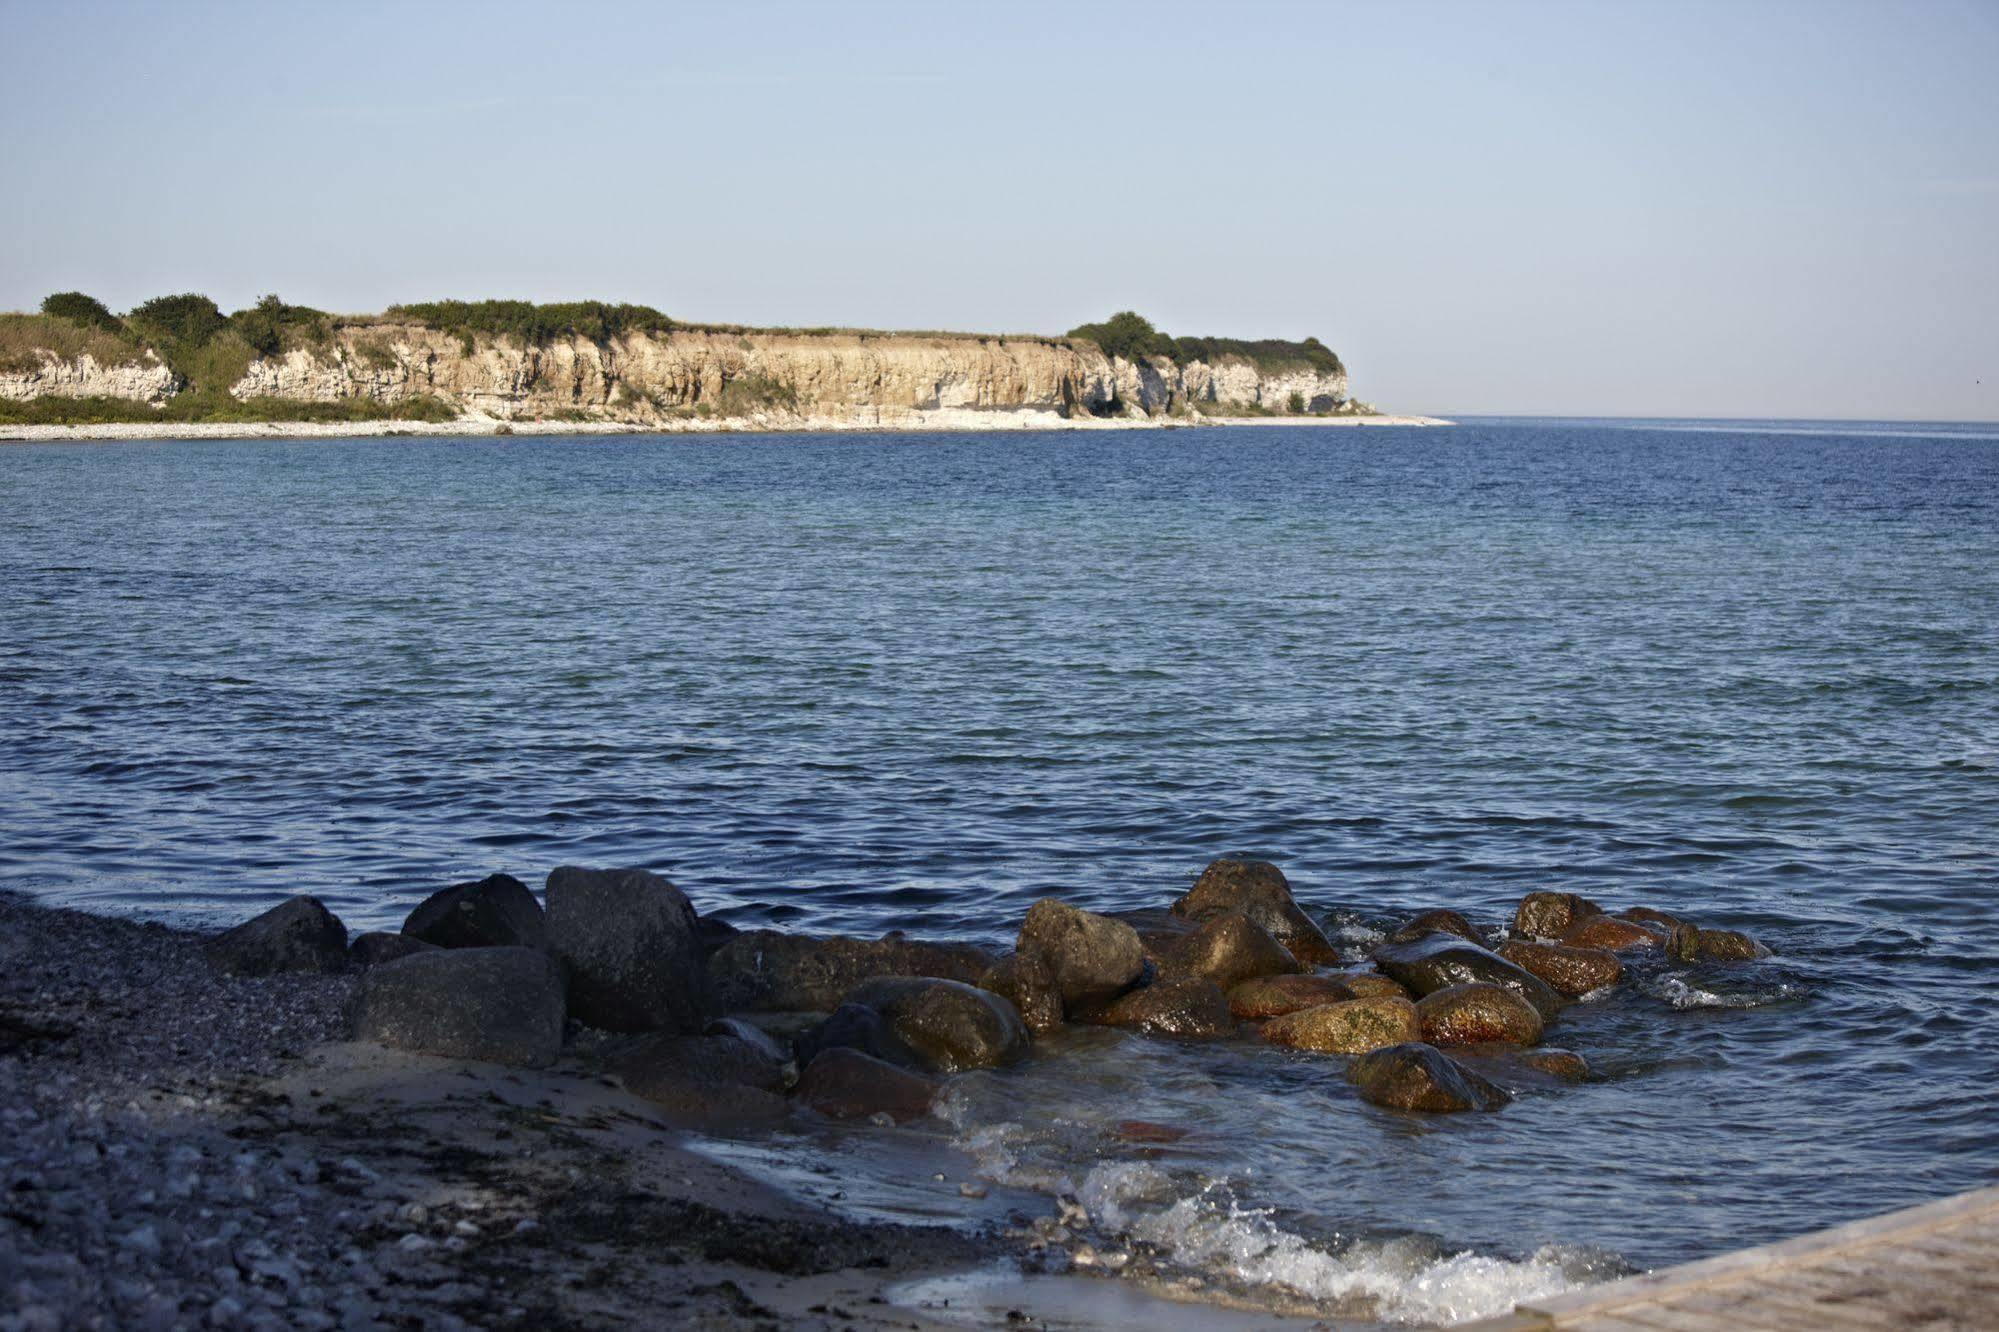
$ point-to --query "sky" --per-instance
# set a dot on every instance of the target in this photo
(1753, 208)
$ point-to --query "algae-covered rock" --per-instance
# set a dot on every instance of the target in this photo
(1570, 971)
(1477, 1013)
(1352, 1026)
(1258, 890)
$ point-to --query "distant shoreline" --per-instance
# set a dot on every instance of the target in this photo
(946, 422)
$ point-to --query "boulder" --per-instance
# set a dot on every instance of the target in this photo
(1439, 961)
(378, 946)
(1257, 889)
(628, 940)
(1369, 984)
(500, 1005)
(1569, 971)
(1729, 946)
(1421, 1077)
(950, 1026)
(1613, 934)
(1437, 922)
(748, 1033)
(1027, 984)
(296, 935)
(847, 1084)
(1477, 1014)
(1683, 942)
(1229, 950)
(496, 912)
(1274, 996)
(766, 971)
(855, 1027)
(1190, 1007)
(1545, 915)
(1352, 1026)
(1648, 916)
(1092, 958)
(665, 1061)
(1566, 1065)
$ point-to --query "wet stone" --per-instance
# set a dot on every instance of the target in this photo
(628, 940)
(1274, 996)
(497, 911)
(767, 971)
(1477, 1014)
(1437, 922)
(1259, 890)
(1609, 932)
(1190, 1008)
(1545, 915)
(1421, 1077)
(1027, 984)
(1570, 971)
(1091, 958)
(296, 935)
(1438, 961)
(1352, 1026)
(849, 1084)
(1228, 950)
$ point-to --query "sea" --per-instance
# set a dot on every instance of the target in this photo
(1745, 671)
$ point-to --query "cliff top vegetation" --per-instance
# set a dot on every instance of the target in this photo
(1132, 336)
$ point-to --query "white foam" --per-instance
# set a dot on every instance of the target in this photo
(1682, 994)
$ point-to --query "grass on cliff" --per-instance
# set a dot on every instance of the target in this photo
(531, 324)
(23, 336)
(1133, 337)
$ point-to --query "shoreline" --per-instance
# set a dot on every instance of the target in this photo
(941, 422)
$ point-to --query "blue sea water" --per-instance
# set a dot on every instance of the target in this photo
(1744, 671)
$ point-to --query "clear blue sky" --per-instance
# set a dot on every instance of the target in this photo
(1742, 208)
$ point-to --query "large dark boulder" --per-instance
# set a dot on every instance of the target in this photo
(498, 911)
(1190, 1008)
(855, 1027)
(1229, 950)
(766, 971)
(1091, 958)
(297, 935)
(1570, 971)
(1027, 984)
(949, 1025)
(1421, 1077)
(629, 941)
(1439, 961)
(849, 1084)
(1352, 1026)
(378, 946)
(1545, 915)
(501, 1005)
(1258, 890)
(1478, 1014)
(1274, 996)
(667, 1060)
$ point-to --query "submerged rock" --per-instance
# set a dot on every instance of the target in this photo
(1421, 1077)
(1730, 946)
(1649, 916)
(1566, 1065)
(1189, 1007)
(1352, 1026)
(711, 1081)
(498, 911)
(1439, 961)
(1027, 984)
(378, 946)
(767, 971)
(1437, 922)
(1091, 958)
(1609, 932)
(1570, 971)
(1258, 890)
(500, 1005)
(296, 935)
(628, 940)
(1274, 996)
(1545, 915)
(1229, 950)
(843, 1083)
(1478, 1014)
(949, 1025)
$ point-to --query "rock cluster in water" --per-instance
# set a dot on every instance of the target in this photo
(616, 965)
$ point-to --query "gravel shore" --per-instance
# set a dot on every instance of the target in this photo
(180, 1148)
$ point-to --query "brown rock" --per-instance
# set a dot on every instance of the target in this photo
(1369, 984)
(1190, 1007)
(1730, 946)
(1415, 1076)
(1437, 922)
(1569, 971)
(949, 1025)
(1609, 932)
(1258, 890)
(1092, 958)
(1476, 1014)
(847, 1084)
(1027, 984)
(1546, 915)
(1274, 996)
(1556, 1063)
(1229, 950)
(767, 971)
(1438, 961)
(1649, 916)
(1683, 942)
(1349, 1027)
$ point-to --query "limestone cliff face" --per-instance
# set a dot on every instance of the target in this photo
(144, 380)
(841, 378)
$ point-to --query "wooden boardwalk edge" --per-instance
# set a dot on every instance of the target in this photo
(1744, 1265)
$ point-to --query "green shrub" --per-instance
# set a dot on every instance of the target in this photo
(270, 326)
(1295, 404)
(1133, 337)
(598, 321)
(188, 319)
(81, 309)
(755, 393)
(1125, 334)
